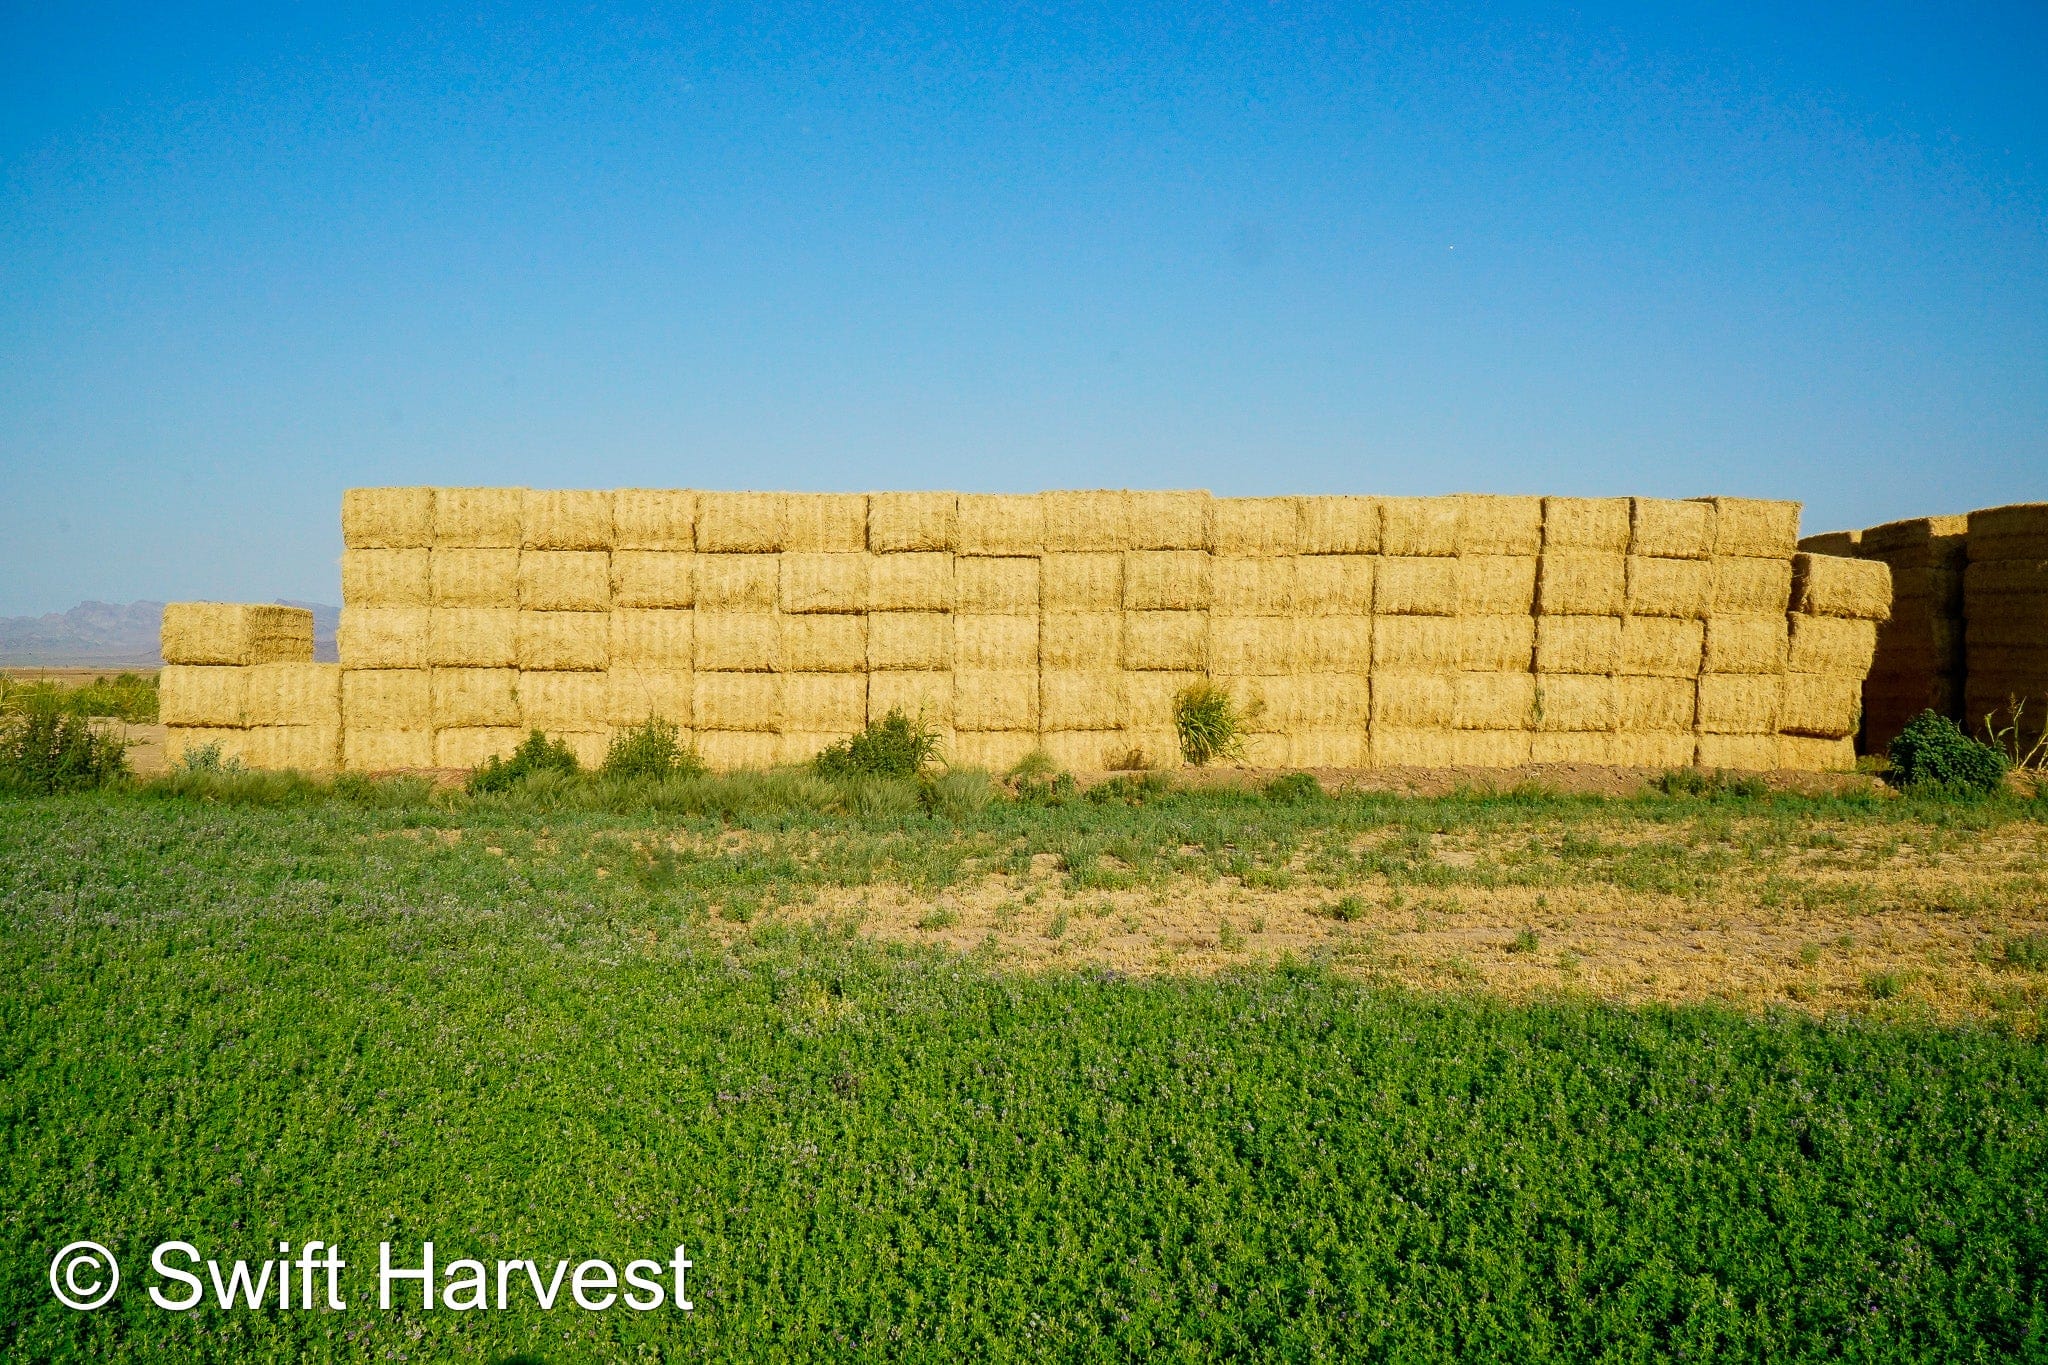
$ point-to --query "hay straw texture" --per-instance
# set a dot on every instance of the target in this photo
(1659, 647)
(304, 748)
(738, 582)
(1663, 528)
(1164, 580)
(1747, 644)
(210, 695)
(654, 520)
(467, 748)
(1328, 749)
(1844, 543)
(383, 637)
(1088, 522)
(1496, 585)
(739, 523)
(998, 641)
(1655, 749)
(565, 580)
(1244, 585)
(1828, 644)
(1578, 644)
(1496, 644)
(1081, 582)
(1678, 588)
(1824, 585)
(995, 699)
(1599, 525)
(828, 644)
(1255, 526)
(2019, 522)
(824, 703)
(1071, 699)
(234, 633)
(1820, 705)
(1748, 585)
(746, 642)
(1572, 746)
(831, 582)
(994, 751)
(905, 522)
(1256, 645)
(1408, 644)
(385, 699)
(654, 578)
(729, 751)
(1412, 585)
(914, 694)
(563, 703)
(1739, 703)
(566, 520)
(1576, 582)
(1574, 701)
(653, 639)
(1402, 700)
(1167, 521)
(1337, 585)
(1797, 753)
(1084, 750)
(1493, 701)
(635, 695)
(478, 518)
(738, 701)
(825, 523)
(293, 695)
(1168, 641)
(1081, 640)
(1328, 701)
(1654, 705)
(468, 697)
(384, 578)
(2019, 578)
(1738, 753)
(910, 581)
(387, 518)
(1755, 527)
(1333, 644)
(564, 640)
(1338, 525)
(1419, 526)
(466, 577)
(470, 637)
(1006, 585)
(1491, 524)
(386, 751)
(910, 640)
(1000, 524)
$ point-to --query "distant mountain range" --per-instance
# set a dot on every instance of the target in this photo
(109, 635)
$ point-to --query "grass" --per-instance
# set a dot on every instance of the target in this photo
(130, 697)
(588, 1020)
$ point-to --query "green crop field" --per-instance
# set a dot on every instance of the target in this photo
(555, 1031)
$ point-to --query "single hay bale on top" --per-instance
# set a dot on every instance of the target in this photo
(825, 582)
(1494, 524)
(565, 580)
(739, 523)
(1081, 582)
(1754, 528)
(293, 695)
(467, 697)
(996, 585)
(564, 641)
(1419, 527)
(654, 520)
(825, 523)
(236, 633)
(822, 644)
(387, 518)
(1846, 544)
(213, 696)
(1084, 522)
(1000, 524)
(566, 519)
(472, 637)
(654, 578)
(385, 578)
(381, 637)
(910, 581)
(1338, 525)
(1578, 644)
(386, 699)
(2016, 531)
(1414, 585)
(1165, 580)
(737, 582)
(910, 640)
(1593, 525)
(904, 522)
(1665, 528)
(468, 578)
(478, 518)
(1167, 520)
(1581, 583)
(750, 642)
(1859, 589)
(1260, 527)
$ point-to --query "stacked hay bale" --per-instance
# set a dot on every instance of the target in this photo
(472, 627)
(736, 680)
(910, 539)
(1493, 700)
(1415, 645)
(565, 618)
(242, 678)
(1082, 700)
(1747, 642)
(1581, 596)
(1837, 603)
(2005, 601)
(1668, 587)
(1164, 626)
(996, 604)
(822, 646)
(1338, 542)
(386, 595)
(1254, 607)
(652, 642)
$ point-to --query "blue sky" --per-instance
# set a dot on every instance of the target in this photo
(250, 257)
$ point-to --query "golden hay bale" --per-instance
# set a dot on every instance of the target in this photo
(383, 637)
(1490, 748)
(995, 586)
(470, 746)
(1829, 644)
(210, 695)
(1251, 645)
(824, 703)
(1493, 701)
(739, 523)
(386, 751)
(995, 640)
(1843, 543)
(466, 697)
(1261, 527)
(1414, 700)
(654, 520)
(635, 695)
(1654, 749)
(825, 523)
(825, 644)
(910, 581)
(1000, 524)
(1417, 586)
(1650, 705)
(1329, 749)
(387, 518)
(1750, 586)
(654, 578)
(1572, 746)
(1739, 753)
(1747, 644)
(737, 701)
(1329, 701)
(737, 582)
(2005, 578)
(1166, 640)
(1090, 521)
(1401, 746)
(565, 580)
(1755, 528)
(563, 703)
(1419, 526)
(1418, 643)
(1824, 585)
(478, 518)
(1334, 644)
(1081, 582)
(1822, 705)
(1083, 751)
(2019, 521)
(470, 577)
(1492, 524)
(827, 582)
(1496, 585)
(1574, 701)
(730, 751)
(1074, 699)
(907, 640)
(564, 641)
(1334, 584)
(1495, 644)
(927, 694)
(386, 699)
(1581, 583)
(995, 699)
(1149, 697)
(1594, 525)
(236, 633)
(1165, 580)
(1930, 536)
(1799, 753)
(384, 578)
(472, 637)
(565, 519)
(995, 751)
(1666, 528)
(1678, 588)
(1578, 644)
(181, 741)
(1739, 703)
(1338, 525)
(1242, 585)
(744, 642)
(1177, 520)
(293, 694)
(1661, 647)
(1081, 640)
(900, 522)
(1268, 704)
(302, 748)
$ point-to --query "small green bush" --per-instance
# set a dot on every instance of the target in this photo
(46, 749)
(651, 751)
(894, 746)
(1932, 754)
(536, 754)
(1209, 723)
(1695, 782)
(1294, 789)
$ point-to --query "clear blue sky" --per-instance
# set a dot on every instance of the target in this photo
(249, 257)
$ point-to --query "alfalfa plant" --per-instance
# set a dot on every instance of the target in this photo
(1932, 754)
(46, 748)
(1209, 722)
(536, 754)
(894, 746)
(652, 751)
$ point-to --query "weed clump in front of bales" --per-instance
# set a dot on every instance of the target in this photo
(652, 751)
(46, 748)
(536, 754)
(1695, 782)
(1209, 723)
(894, 746)
(1933, 755)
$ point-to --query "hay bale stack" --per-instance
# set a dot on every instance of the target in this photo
(995, 660)
(385, 719)
(1581, 598)
(387, 518)
(2005, 602)
(1836, 606)
(235, 633)
(1167, 520)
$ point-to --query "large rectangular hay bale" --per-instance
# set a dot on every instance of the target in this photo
(1493, 701)
(1076, 699)
(995, 640)
(382, 637)
(1755, 528)
(1661, 749)
(2015, 531)
(1329, 748)
(1413, 700)
(910, 581)
(822, 644)
(1330, 701)
(1747, 644)
(1093, 521)
(1593, 525)
(635, 695)
(1334, 584)
(1750, 586)
(1338, 524)
(293, 694)
(1679, 588)
(1661, 647)
(1496, 585)
(905, 522)
(995, 699)
(1081, 582)
(564, 641)
(1739, 703)
(1167, 520)
(731, 751)
(1823, 705)
(478, 518)
(386, 699)
(824, 523)
(1575, 582)
(1847, 544)
(1081, 640)
(1247, 585)
(738, 582)
(385, 578)
(1333, 644)
(387, 518)
(653, 579)
(653, 639)
(1259, 645)
(1415, 585)
(746, 641)
(1149, 697)
(926, 694)
(1572, 746)
(825, 582)
(737, 701)
(1578, 644)
(1995, 578)
(1413, 746)
(1409, 644)
(235, 633)
(213, 696)
(1083, 751)
(471, 577)
(1667, 528)
(565, 580)
(995, 585)
(1823, 585)
(993, 751)
(1171, 641)
(1165, 580)
(1737, 753)
(565, 519)
(1574, 701)
(1000, 524)
(910, 640)
(386, 751)
(654, 520)
(1654, 705)
(1495, 644)
(1255, 527)
(472, 637)
(1800, 753)
(299, 748)
(1499, 524)
(464, 697)
(1419, 527)
(470, 747)
(1831, 644)
(739, 523)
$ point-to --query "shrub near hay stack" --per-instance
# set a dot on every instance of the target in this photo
(2005, 604)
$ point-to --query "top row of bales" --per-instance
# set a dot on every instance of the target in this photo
(1055, 522)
